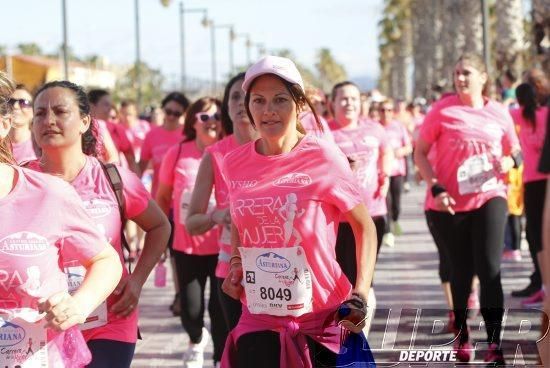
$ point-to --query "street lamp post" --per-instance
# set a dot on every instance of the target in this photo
(138, 56)
(213, 52)
(65, 48)
(182, 38)
(231, 39)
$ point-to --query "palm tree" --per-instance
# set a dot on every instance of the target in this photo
(329, 70)
(427, 53)
(541, 31)
(510, 42)
(471, 18)
(395, 34)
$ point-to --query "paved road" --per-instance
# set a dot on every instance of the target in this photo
(407, 286)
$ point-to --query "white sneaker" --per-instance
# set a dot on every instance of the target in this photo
(194, 356)
(388, 240)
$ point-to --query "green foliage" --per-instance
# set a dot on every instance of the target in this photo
(151, 85)
(29, 49)
(329, 70)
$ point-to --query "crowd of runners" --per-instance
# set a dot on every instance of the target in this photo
(277, 196)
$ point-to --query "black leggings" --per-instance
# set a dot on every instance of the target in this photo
(513, 232)
(263, 349)
(193, 270)
(110, 353)
(345, 246)
(393, 199)
(534, 194)
(231, 308)
(475, 241)
(444, 263)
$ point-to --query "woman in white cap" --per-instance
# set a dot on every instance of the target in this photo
(287, 192)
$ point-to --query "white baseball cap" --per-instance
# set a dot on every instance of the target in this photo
(277, 65)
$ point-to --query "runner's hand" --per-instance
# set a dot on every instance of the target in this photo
(504, 165)
(444, 202)
(222, 217)
(130, 290)
(383, 187)
(352, 314)
(62, 311)
(232, 283)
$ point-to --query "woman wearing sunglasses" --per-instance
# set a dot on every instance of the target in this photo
(196, 257)
(21, 118)
(33, 298)
(160, 139)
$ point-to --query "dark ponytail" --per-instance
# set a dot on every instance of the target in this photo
(527, 99)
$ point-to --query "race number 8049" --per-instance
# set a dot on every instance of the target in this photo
(272, 294)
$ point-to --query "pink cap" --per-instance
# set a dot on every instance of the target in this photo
(277, 65)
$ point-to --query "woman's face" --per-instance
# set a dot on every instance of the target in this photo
(235, 106)
(173, 113)
(468, 80)
(21, 116)
(386, 112)
(272, 107)
(57, 122)
(347, 104)
(208, 125)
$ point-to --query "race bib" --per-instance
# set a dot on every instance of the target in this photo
(476, 175)
(98, 318)
(277, 281)
(23, 342)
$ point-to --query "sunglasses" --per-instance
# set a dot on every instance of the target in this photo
(173, 113)
(23, 102)
(204, 117)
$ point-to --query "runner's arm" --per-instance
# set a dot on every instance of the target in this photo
(163, 197)
(364, 232)
(421, 161)
(198, 219)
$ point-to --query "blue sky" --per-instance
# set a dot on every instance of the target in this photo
(106, 27)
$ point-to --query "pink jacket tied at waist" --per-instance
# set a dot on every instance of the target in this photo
(292, 331)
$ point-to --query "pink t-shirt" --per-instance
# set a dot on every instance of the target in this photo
(217, 153)
(157, 142)
(307, 119)
(99, 200)
(365, 145)
(531, 141)
(23, 151)
(468, 142)
(136, 135)
(295, 185)
(179, 170)
(118, 134)
(398, 137)
(50, 225)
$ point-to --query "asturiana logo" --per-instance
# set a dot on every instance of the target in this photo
(293, 180)
(97, 208)
(272, 263)
(25, 244)
(10, 334)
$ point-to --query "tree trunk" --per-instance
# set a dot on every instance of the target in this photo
(510, 38)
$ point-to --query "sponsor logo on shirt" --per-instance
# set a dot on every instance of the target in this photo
(10, 333)
(370, 141)
(24, 244)
(243, 184)
(97, 208)
(293, 180)
(272, 262)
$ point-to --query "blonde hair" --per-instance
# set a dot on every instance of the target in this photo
(6, 89)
